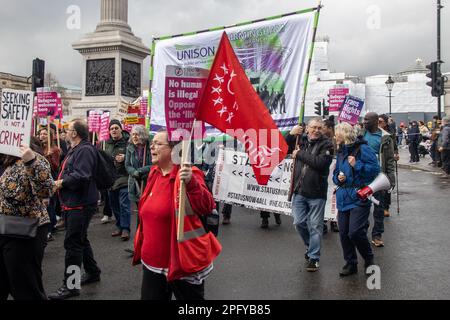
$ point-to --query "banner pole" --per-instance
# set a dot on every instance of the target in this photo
(308, 70)
(48, 135)
(150, 95)
(57, 135)
(305, 89)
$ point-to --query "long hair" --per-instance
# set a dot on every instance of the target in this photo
(142, 134)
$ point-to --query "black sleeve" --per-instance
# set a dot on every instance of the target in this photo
(319, 162)
(84, 163)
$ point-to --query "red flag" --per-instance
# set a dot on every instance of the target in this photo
(230, 104)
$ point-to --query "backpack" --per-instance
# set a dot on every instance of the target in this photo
(211, 222)
(104, 175)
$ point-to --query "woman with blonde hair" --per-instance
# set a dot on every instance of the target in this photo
(356, 167)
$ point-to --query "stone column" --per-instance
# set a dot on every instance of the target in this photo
(114, 16)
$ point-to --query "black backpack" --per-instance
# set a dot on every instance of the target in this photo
(105, 174)
(211, 222)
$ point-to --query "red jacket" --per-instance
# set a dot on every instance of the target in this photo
(199, 248)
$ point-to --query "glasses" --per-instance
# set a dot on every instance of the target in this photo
(158, 144)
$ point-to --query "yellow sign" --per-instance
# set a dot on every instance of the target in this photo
(132, 120)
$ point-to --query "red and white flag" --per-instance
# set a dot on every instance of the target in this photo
(231, 104)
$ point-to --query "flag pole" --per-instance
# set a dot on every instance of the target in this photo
(48, 135)
(305, 89)
(57, 135)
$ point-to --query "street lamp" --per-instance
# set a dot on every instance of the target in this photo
(390, 85)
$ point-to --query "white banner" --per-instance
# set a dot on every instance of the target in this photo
(15, 123)
(274, 54)
(235, 183)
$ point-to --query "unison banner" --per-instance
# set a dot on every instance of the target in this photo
(274, 54)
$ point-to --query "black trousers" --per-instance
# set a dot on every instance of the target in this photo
(156, 287)
(266, 215)
(445, 154)
(414, 151)
(353, 226)
(21, 266)
(78, 248)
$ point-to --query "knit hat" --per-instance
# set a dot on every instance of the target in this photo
(113, 122)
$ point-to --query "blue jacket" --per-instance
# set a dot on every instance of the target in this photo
(365, 171)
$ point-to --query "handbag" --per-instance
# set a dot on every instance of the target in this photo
(18, 227)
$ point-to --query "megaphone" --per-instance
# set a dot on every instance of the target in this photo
(380, 183)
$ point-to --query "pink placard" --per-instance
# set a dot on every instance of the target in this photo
(47, 103)
(337, 97)
(94, 120)
(104, 127)
(184, 88)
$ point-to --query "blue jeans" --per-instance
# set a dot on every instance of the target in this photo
(308, 220)
(353, 226)
(121, 208)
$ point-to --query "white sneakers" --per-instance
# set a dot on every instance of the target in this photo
(106, 219)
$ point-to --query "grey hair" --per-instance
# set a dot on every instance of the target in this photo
(142, 134)
(446, 119)
(347, 131)
(315, 119)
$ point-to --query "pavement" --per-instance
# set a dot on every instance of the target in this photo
(422, 165)
(268, 264)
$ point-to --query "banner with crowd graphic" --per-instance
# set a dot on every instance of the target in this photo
(274, 54)
(15, 122)
(235, 183)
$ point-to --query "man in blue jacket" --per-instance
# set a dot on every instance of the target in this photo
(79, 195)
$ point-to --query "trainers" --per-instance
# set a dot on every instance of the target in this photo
(226, 220)
(264, 223)
(64, 293)
(50, 237)
(106, 219)
(378, 243)
(348, 270)
(277, 219)
(116, 233)
(334, 226)
(87, 278)
(313, 265)
(60, 225)
(387, 214)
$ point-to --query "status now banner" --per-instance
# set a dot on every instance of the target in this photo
(274, 54)
(234, 183)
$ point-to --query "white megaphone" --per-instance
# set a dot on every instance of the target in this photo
(380, 183)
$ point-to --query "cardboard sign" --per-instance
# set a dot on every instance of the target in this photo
(351, 110)
(15, 122)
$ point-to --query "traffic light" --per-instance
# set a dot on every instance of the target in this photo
(38, 75)
(318, 108)
(326, 110)
(437, 80)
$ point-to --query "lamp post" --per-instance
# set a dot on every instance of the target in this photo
(390, 85)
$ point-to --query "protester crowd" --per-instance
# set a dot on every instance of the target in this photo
(60, 185)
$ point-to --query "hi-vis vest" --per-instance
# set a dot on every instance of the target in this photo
(198, 249)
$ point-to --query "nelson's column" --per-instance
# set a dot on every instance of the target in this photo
(112, 62)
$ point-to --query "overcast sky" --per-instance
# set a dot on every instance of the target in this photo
(360, 43)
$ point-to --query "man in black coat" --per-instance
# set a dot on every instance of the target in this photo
(78, 195)
(313, 159)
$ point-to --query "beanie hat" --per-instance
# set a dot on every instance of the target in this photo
(113, 122)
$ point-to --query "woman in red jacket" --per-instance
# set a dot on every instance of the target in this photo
(172, 266)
